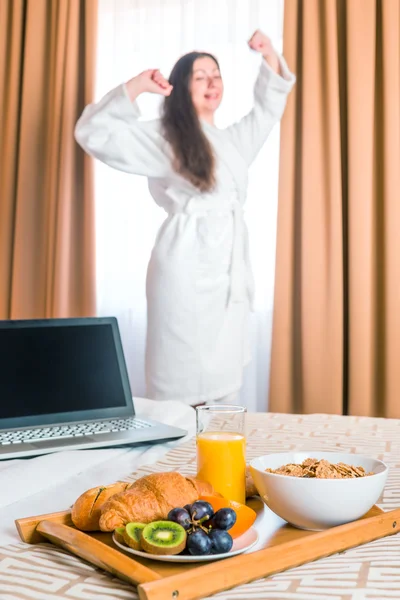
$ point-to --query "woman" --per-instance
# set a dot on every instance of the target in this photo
(199, 282)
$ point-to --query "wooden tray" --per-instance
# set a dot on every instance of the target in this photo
(280, 547)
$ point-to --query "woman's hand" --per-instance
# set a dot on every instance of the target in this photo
(262, 44)
(149, 81)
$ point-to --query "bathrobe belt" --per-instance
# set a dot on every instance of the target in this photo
(240, 260)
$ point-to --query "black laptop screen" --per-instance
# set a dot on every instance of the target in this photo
(52, 369)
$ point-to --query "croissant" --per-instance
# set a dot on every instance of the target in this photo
(85, 513)
(151, 498)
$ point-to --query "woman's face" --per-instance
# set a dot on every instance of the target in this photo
(206, 87)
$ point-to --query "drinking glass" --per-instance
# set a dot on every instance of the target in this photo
(221, 449)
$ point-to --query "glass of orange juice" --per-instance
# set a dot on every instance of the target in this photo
(221, 449)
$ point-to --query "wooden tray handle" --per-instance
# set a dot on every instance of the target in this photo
(97, 553)
(222, 575)
(27, 527)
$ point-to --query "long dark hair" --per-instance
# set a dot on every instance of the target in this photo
(193, 155)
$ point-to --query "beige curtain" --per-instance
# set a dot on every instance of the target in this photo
(336, 333)
(47, 50)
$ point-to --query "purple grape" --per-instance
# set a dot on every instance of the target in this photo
(180, 516)
(198, 543)
(201, 510)
(224, 518)
(221, 541)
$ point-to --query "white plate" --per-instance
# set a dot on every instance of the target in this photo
(240, 544)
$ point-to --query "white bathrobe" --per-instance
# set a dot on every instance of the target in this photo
(199, 281)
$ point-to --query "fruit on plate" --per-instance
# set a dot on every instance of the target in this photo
(180, 516)
(195, 530)
(163, 538)
(199, 543)
(224, 519)
(119, 535)
(221, 541)
(133, 534)
(245, 516)
(201, 511)
(206, 531)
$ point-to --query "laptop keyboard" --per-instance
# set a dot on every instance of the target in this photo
(68, 431)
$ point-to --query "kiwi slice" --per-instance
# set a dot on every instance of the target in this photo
(133, 535)
(163, 537)
(119, 535)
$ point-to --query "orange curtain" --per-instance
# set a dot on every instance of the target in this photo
(47, 50)
(336, 332)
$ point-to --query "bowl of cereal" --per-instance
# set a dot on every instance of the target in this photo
(317, 490)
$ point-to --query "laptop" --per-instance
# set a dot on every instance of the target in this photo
(64, 386)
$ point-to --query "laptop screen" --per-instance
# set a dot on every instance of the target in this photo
(61, 370)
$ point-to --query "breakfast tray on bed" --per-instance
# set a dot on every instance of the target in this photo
(280, 547)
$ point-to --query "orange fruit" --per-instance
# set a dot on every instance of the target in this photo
(245, 516)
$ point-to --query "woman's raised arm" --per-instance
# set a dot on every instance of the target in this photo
(110, 130)
(274, 82)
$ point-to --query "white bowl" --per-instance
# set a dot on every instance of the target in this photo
(316, 504)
